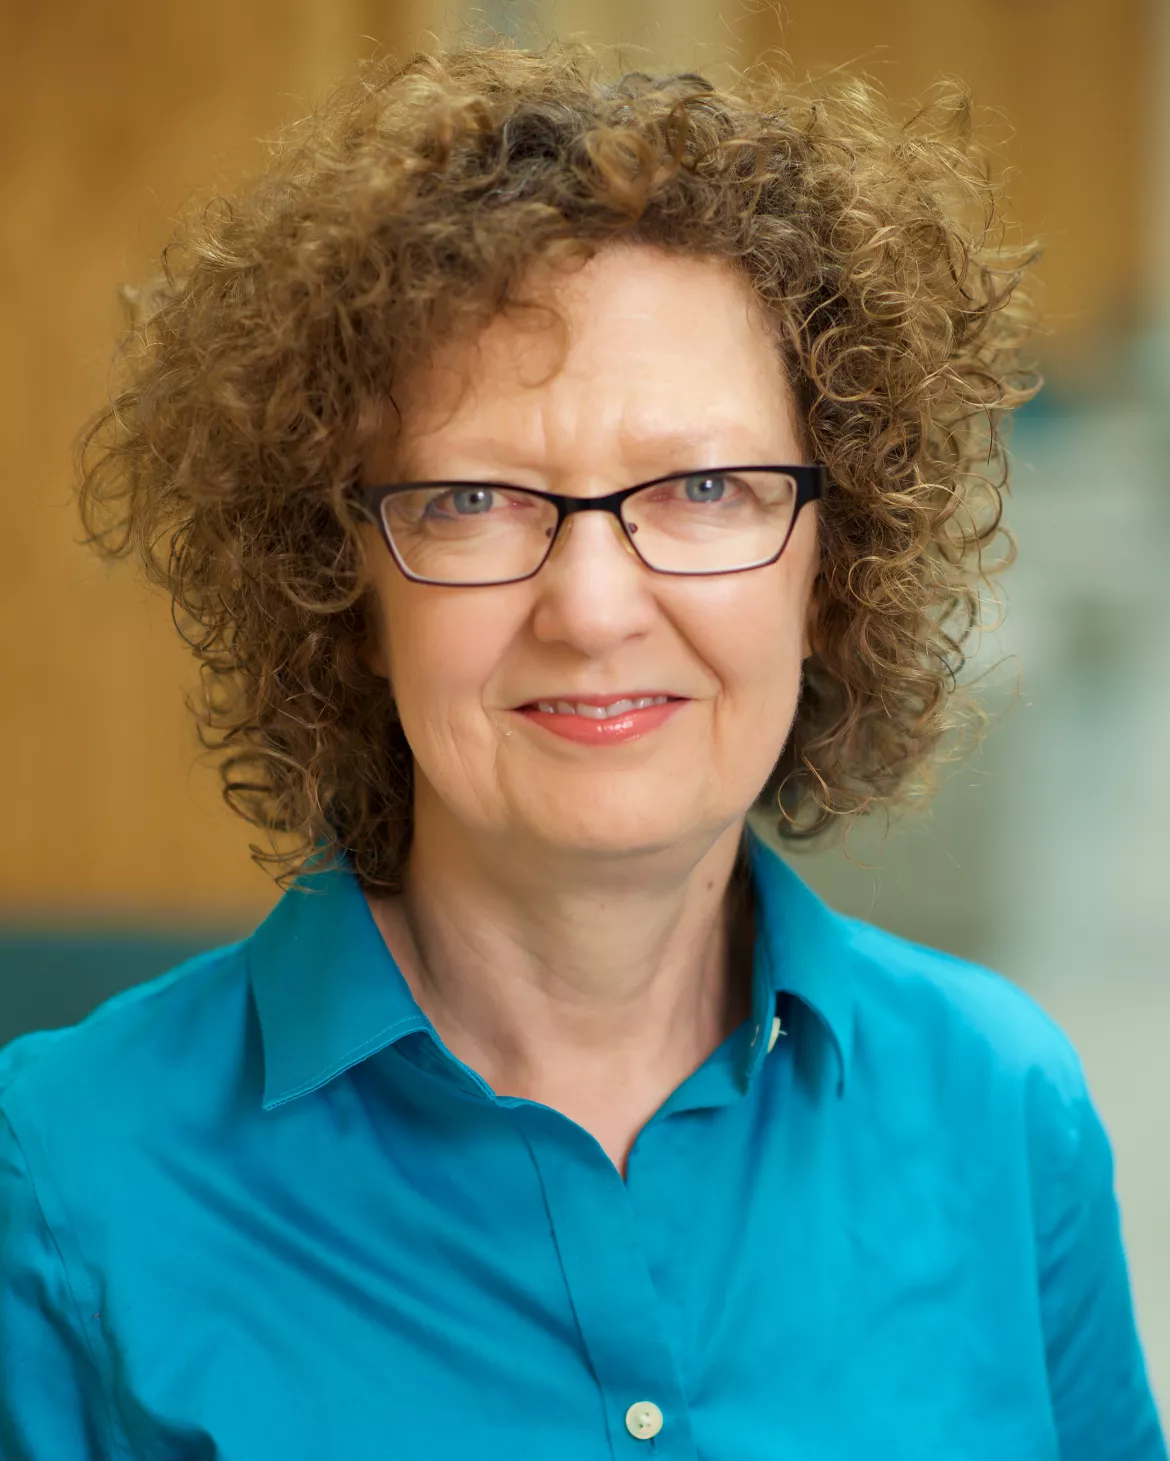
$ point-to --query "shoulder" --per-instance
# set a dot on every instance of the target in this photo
(964, 1038)
(969, 1077)
(105, 1127)
(918, 1029)
(974, 1007)
(158, 1045)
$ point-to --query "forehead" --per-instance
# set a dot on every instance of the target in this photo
(638, 355)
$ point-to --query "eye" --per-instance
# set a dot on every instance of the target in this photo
(465, 501)
(709, 487)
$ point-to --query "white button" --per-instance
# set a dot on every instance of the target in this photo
(776, 1032)
(643, 1420)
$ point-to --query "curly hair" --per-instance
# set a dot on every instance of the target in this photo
(411, 206)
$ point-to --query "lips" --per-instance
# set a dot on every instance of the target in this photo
(598, 721)
(599, 709)
(584, 704)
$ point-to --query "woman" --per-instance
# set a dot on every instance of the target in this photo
(549, 474)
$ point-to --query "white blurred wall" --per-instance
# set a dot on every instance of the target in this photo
(1046, 856)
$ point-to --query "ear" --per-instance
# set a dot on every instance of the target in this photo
(807, 647)
(812, 613)
(372, 648)
(372, 655)
(808, 638)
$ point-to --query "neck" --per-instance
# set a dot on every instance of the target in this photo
(552, 974)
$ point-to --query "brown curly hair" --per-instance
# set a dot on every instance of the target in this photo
(411, 206)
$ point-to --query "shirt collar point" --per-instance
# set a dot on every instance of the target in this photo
(804, 946)
(326, 989)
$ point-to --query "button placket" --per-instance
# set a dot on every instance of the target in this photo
(622, 1319)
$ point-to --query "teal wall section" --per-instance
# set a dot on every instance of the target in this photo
(51, 978)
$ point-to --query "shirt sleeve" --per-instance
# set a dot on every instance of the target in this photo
(52, 1403)
(1101, 1398)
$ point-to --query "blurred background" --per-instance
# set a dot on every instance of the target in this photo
(1043, 856)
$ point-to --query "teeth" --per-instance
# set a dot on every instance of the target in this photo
(599, 712)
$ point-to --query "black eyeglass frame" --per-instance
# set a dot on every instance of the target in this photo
(811, 484)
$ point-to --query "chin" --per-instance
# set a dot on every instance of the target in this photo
(616, 826)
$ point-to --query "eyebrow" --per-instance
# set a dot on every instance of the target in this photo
(500, 454)
(690, 440)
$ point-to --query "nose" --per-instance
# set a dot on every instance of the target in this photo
(594, 593)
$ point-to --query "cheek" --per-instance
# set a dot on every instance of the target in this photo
(763, 685)
(442, 652)
(761, 693)
(751, 634)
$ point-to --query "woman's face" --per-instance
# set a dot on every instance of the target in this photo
(665, 369)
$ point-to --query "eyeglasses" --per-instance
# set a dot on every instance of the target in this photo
(719, 520)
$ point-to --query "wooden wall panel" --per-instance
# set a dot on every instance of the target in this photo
(1070, 82)
(112, 114)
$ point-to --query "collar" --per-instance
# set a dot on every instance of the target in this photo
(802, 951)
(327, 990)
(329, 994)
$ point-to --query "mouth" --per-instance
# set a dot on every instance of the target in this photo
(595, 708)
(598, 721)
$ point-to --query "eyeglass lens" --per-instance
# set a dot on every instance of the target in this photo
(706, 522)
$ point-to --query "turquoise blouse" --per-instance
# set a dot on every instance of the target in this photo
(256, 1211)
